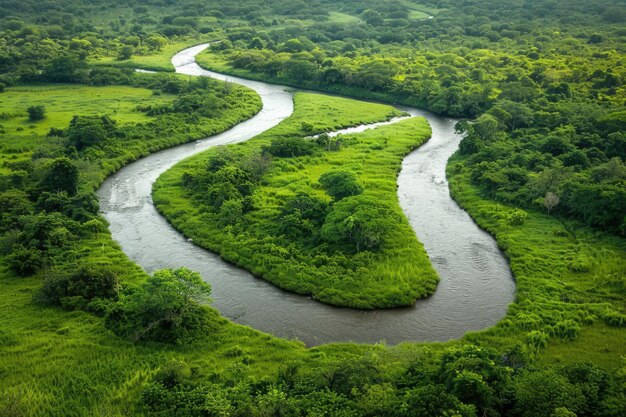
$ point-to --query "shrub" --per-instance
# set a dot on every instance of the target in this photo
(25, 260)
(75, 289)
(517, 217)
(164, 309)
(173, 373)
(340, 184)
(36, 113)
(290, 147)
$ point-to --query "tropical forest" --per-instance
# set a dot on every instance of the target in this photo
(322, 208)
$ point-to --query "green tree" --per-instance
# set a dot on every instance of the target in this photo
(89, 130)
(540, 393)
(156, 42)
(359, 220)
(165, 308)
(340, 184)
(125, 52)
(302, 215)
(36, 113)
(60, 175)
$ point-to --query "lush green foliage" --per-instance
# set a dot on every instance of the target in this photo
(462, 381)
(166, 308)
(570, 279)
(546, 79)
(340, 184)
(354, 251)
(551, 92)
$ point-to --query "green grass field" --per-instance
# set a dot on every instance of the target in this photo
(63, 101)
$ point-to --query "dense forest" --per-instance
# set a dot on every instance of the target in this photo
(540, 88)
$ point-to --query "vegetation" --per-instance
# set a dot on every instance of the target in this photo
(541, 168)
(353, 251)
(545, 125)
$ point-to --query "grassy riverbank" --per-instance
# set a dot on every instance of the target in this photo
(395, 274)
(570, 280)
(156, 61)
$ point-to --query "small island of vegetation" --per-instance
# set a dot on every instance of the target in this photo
(317, 215)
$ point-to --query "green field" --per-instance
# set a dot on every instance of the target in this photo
(63, 101)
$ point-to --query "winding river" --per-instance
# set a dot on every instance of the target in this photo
(476, 283)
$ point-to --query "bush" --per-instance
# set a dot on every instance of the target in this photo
(173, 373)
(75, 289)
(340, 184)
(164, 309)
(517, 218)
(36, 113)
(290, 147)
(25, 260)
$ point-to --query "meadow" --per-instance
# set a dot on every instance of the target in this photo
(63, 101)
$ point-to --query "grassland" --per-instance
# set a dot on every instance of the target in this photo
(397, 274)
(63, 101)
(570, 279)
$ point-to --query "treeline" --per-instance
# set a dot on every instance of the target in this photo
(465, 381)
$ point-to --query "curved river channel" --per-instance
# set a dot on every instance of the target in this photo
(476, 283)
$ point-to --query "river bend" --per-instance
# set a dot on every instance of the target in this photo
(476, 283)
